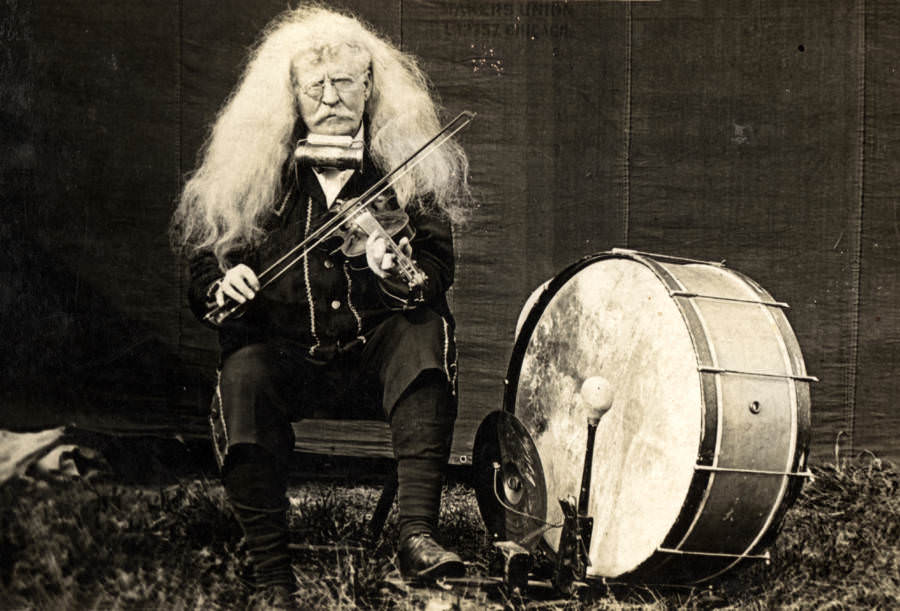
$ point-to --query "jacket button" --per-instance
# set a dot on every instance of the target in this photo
(328, 264)
(335, 305)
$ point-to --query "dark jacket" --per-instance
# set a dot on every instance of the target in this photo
(348, 299)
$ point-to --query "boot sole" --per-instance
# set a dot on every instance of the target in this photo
(448, 568)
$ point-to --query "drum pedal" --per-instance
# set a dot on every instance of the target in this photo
(574, 542)
(514, 565)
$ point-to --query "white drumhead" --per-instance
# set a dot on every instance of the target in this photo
(614, 319)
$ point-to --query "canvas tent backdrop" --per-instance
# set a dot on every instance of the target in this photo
(761, 133)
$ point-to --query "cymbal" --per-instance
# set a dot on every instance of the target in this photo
(509, 480)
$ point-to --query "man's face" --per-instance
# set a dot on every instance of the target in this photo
(332, 89)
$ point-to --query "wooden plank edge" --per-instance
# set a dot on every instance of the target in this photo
(363, 438)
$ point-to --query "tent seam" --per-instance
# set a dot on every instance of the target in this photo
(626, 179)
(856, 261)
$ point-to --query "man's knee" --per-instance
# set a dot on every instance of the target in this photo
(253, 403)
(409, 345)
(421, 326)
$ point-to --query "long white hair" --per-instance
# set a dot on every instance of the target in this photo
(239, 180)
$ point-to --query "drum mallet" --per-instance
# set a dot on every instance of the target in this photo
(598, 396)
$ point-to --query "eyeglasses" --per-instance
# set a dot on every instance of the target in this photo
(342, 84)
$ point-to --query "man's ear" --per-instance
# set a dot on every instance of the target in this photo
(369, 83)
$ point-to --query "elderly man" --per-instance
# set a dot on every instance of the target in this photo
(333, 327)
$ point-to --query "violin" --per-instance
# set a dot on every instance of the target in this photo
(389, 225)
(354, 222)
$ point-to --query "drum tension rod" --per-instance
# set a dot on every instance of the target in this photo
(653, 255)
(710, 369)
(690, 295)
(764, 556)
(807, 473)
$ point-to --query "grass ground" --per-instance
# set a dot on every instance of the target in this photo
(102, 543)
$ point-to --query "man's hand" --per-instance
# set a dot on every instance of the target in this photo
(380, 260)
(240, 283)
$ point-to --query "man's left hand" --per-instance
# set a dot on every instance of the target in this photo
(381, 260)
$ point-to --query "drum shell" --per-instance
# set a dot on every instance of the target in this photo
(753, 414)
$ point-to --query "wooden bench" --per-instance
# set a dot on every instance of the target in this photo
(364, 438)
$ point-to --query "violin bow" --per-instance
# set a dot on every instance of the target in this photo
(220, 314)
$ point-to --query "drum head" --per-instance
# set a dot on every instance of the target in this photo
(611, 317)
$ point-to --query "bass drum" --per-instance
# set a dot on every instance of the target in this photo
(705, 445)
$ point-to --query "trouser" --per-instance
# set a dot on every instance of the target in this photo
(407, 365)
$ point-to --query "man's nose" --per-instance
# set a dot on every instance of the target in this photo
(329, 93)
